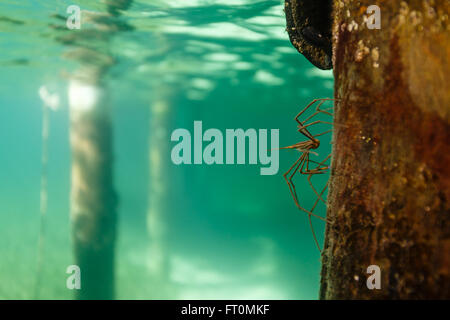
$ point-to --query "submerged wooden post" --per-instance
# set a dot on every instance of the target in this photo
(161, 193)
(93, 199)
(389, 198)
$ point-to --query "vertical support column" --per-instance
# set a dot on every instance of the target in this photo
(161, 196)
(389, 198)
(93, 199)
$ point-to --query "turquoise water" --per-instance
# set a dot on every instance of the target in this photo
(229, 232)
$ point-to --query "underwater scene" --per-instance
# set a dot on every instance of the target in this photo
(144, 143)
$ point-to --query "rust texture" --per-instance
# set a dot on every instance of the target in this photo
(390, 180)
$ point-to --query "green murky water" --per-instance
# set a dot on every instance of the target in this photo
(229, 232)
